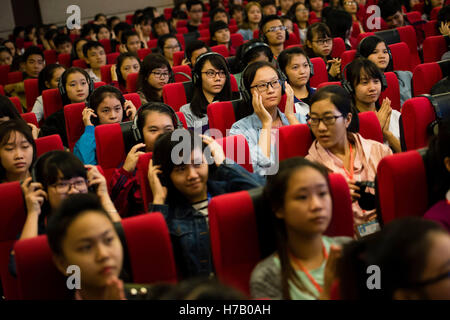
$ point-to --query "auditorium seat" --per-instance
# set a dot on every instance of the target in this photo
(31, 92)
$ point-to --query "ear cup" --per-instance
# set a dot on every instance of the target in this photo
(344, 82)
(311, 67)
(61, 86)
(196, 72)
(287, 35)
(384, 84)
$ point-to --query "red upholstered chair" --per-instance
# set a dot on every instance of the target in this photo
(12, 218)
(141, 175)
(369, 126)
(402, 186)
(98, 84)
(331, 83)
(50, 56)
(204, 33)
(234, 231)
(134, 97)
(132, 80)
(168, 13)
(30, 117)
(301, 134)
(176, 94)
(222, 49)
(2, 90)
(347, 57)
(433, 48)
(105, 72)
(106, 43)
(182, 118)
(111, 58)
(64, 59)
(142, 53)
(293, 40)
(152, 43)
(392, 91)
(414, 16)
(338, 47)
(14, 77)
(181, 23)
(31, 92)
(80, 63)
(408, 35)
(17, 104)
(417, 114)
(48, 143)
(180, 73)
(147, 240)
(74, 122)
(430, 29)
(400, 56)
(52, 101)
(434, 12)
(236, 148)
(425, 76)
(221, 115)
(320, 72)
(182, 30)
(178, 58)
(236, 40)
(4, 70)
(180, 38)
(110, 147)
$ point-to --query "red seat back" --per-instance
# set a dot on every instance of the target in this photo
(221, 49)
(73, 114)
(132, 82)
(48, 143)
(31, 92)
(299, 133)
(142, 178)
(434, 12)
(430, 29)
(50, 56)
(134, 97)
(105, 72)
(30, 117)
(236, 148)
(142, 53)
(292, 40)
(320, 72)
(4, 70)
(80, 63)
(392, 91)
(347, 57)
(331, 83)
(14, 77)
(425, 76)
(237, 40)
(402, 186)
(52, 101)
(221, 116)
(106, 43)
(400, 56)
(179, 72)
(64, 59)
(152, 43)
(110, 147)
(408, 35)
(111, 58)
(433, 48)
(178, 58)
(338, 47)
(174, 95)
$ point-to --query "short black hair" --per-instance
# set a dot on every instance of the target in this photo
(98, 15)
(191, 3)
(195, 45)
(265, 3)
(89, 45)
(266, 20)
(339, 22)
(30, 51)
(121, 26)
(61, 39)
(212, 13)
(389, 8)
(126, 34)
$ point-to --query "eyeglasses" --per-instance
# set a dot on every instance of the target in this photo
(275, 29)
(321, 42)
(161, 75)
(213, 74)
(65, 186)
(263, 87)
(172, 47)
(327, 120)
(350, 2)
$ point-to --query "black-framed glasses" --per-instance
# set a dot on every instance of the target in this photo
(321, 42)
(327, 120)
(172, 47)
(432, 280)
(263, 87)
(213, 74)
(64, 186)
(160, 75)
(275, 29)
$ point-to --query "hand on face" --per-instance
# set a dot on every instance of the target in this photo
(87, 114)
(159, 192)
(34, 195)
(133, 157)
(95, 178)
(130, 109)
(260, 110)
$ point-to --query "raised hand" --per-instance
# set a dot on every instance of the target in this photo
(159, 192)
(113, 73)
(353, 190)
(133, 157)
(114, 290)
(87, 114)
(216, 149)
(95, 178)
(34, 196)
(260, 110)
(289, 108)
(130, 109)
(34, 130)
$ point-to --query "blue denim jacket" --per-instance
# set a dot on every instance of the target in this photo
(189, 229)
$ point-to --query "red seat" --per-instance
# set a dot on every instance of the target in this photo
(417, 114)
(111, 58)
(221, 49)
(180, 73)
(408, 35)
(425, 76)
(235, 238)
(400, 56)
(392, 91)
(74, 122)
(14, 77)
(174, 94)
(221, 115)
(331, 83)
(147, 240)
(17, 104)
(52, 101)
(142, 53)
(181, 23)
(132, 82)
(80, 63)
(434, 12)
(2, 90)
(338, 47)
(48, 143)
(178, 58)
(433, 48)
(402, 186)
(4, 70)
(31, 92)
(414, 16)
(142, 178)
(369, 126)
(292, 40)
(50, 56)
(134, 97)
(182, 30)
(168, 13)
(65, 60)
(237, 40)
(129, 19)
(182, 118)
(30, 117)
(320, 72)
(301, 134)
(106, 73)
(347, 57)
(180, 38)
(236, 148)
(106, 43)
(152, 43)
(430, 29)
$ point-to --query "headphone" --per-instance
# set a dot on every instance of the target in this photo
(100, 90)
(63, 79)
(246, 95)
(441, 107)
(348, 86)
(248, 46)
(135, 129)
(197, 72)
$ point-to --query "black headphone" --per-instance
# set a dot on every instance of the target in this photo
(197, 72)
(348, 86)
(135, 129)
(99, 90)
(441, 107)
(63, 79)
(246, 95)
(247, 47)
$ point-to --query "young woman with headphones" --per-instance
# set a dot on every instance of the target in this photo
(126, 63)
(155, 72)
(152, 120)
(376, 50)
(252, 18)
(211, 81)
(365, 82)
(262, 88)
(297, 67)
(167, 45)
(106, 105)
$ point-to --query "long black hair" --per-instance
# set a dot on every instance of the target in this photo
(367, 46)
(46, 75)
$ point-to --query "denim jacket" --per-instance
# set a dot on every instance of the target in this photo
(189, 229)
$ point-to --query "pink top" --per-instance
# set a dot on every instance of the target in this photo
(440, 212)
(368, 154)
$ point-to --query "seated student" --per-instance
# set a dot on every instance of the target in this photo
(340, 24)
(316, 7)
(366, 83)
(211, 81)
(6, 57)
(253, 15)
(219, 14)
(154, 74)
(300, 15)
(77, 49)
(194, 11)
(251, 51)
(237, 13)
(106, 105)
(274, 33)
(412, 254)
(341, 149)
(143, 28)
(63, 44)
(437, 163)
(112, 22)
(285, 6)
(48, 79)
(103, 32)
(130, 42)
(126, 63)
(161, 26)
(121, 28)
(295, 64)
(75, 86)
(319, 43)
(352, 7)
(182, 188)
(262, 93)
(178, 14)
(100, 19)
(288, 23)
(33, 63)
(167, 45)
(376, 50)
(193, 50)
(153, 119)
(299, 197)
(17, 151)
(95, 57)
(47, 42)
(220, 34)
(429, 5)
(268, 7)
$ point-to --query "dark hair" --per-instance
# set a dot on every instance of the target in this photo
(178, 14)
(265, 3)
(30, 51)
(17, 30)
(195, 45)
(162, 156)
(162, 41)
(438, 177)
(154, 107)
(216, 26)
(90, 45)
(98, 15)
(342, 101)
(6, 49)
(199, 102)
(293, 9)
(8, 109)
(86, 30)
(74, 48)
(158, 20)
(250, 55)
(191, 3)
(399, 250)
(286, 56)
(367, 46)
(6, 130)
(65, 76)
(151, 62)
(274, 194)
(212, 13)
(111, 19)
(322, 31)
(248, 6)
(144, 19)
(267, 19)
(71, 208)
(61, 39)
(121, 27)
(100, 27)
(127, 34)
(443, 16)
(120, 60)
(389, 8)
(340, 22)
(354, 68)
(46, 75)
(99, 94)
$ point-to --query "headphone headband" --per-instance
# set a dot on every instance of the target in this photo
(196, 72)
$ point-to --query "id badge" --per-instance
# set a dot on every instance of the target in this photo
(368, 228)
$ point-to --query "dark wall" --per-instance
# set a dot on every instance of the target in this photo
(26, 12)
